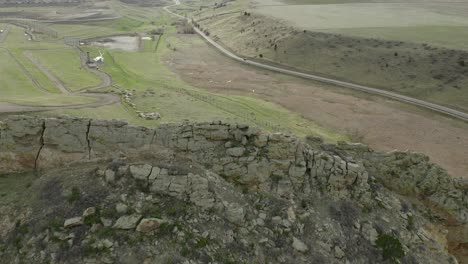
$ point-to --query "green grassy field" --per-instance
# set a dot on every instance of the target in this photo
(18, 88)
(154, 86)
(65, 64)
(157, 89)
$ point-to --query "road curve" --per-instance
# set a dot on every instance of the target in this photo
(437, 108)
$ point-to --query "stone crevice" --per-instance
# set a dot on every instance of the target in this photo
(87, 139)
(41, 142)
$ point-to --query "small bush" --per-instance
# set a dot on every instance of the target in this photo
(106, 232)
(21, 228)
(74, 195)
(152, 211)
(345, 212)
(165, 229)
(109, 212)
(94, 218)
(202, 242)
(410, 225)
(391, 247)
(178, 208)
(55, 224)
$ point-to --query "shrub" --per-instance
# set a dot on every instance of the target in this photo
(74, 195)
(391, 247)
(94, 218)
(55, 224)
(345, 212)
(202, 242)
(410, 223)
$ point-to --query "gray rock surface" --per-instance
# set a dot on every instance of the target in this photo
(149, 224)
(73, 222)
(299, 245)
(232, 191)
(127, 222)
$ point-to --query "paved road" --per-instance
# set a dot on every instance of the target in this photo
(362, 88)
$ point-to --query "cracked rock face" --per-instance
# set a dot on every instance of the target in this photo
(272, 163)
(271, 195)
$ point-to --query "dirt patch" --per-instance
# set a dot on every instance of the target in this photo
(126, 43)
(383, 124)
(458, 245)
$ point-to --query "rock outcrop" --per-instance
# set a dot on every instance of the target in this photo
(276, 163)
(260, 185)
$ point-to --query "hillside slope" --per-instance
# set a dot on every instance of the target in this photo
(435, 74)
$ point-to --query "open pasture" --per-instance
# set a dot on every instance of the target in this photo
(440, 23)
(65, 65)
(18, 88)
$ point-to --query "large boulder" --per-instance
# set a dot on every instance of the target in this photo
(127, 222)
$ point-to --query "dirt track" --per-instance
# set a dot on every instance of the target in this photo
(47, 73)
(381, 123)
(4, 34)
(106, 78)
(102, 99)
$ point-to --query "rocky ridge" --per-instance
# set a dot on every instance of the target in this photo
(267, 198)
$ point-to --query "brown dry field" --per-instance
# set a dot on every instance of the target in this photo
(382, 124)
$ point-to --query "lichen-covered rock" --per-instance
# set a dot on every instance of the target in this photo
(140, 172)
(235, 213)
(65, 140)
(73, 222)
(299, 245)
(147, 225)
(109, 176)
(127, 221)
(110, 138)
(235, 152)
(271, 197)
(20, 142)
(198, 191)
